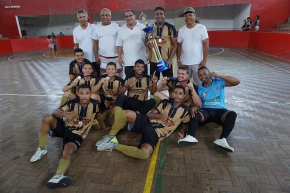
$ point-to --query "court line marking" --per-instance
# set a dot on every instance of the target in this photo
(260, 60)
(217, 53)
(151, 170)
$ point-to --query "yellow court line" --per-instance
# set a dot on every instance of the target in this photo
(151, 170)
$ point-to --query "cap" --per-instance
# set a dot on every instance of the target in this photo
(189, 10)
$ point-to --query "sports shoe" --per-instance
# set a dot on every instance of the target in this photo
(39, 152)
(109, 146)
(187, 141)
(106, 139)
(59, 181)
(222, 143)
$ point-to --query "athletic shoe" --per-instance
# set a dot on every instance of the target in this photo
(222, 143)
(109, 146)
(59, 181)
(39, 152)
(187, 141)
(106, 139)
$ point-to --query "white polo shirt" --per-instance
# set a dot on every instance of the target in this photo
(107, 36)
(132, 42)
(191, 39)
(83, 37)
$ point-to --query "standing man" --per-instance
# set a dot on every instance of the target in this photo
(193, 44)
(105, 37)
(82, 35)
(131, 43)
(166, 39)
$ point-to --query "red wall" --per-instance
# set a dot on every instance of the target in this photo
(229, 38)
(5, 46)
(277, 44)
(270, 11)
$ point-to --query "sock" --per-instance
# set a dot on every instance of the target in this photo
(229, 124)
(119, 120)
(62, 166)
(193, 124)
(133, 151)
(156, 99)
(42, 139)
(63, 100)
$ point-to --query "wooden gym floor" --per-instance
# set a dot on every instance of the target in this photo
(31, 86)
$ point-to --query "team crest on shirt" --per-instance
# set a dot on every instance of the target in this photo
(216, 89)
(204, 94)
(85, 121)
(169, 123)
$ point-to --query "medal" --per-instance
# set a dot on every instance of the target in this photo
(159, 40)
(81, 113)
(80, 123)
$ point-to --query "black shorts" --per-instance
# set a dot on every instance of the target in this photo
(212, 115)
(153, 68)
(67, 135)
(142, 125)
(133, 104)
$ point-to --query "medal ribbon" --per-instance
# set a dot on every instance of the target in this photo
(81, 113)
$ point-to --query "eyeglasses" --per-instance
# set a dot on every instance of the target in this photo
(127, 16)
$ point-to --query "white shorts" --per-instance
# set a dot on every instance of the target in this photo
(106, 60)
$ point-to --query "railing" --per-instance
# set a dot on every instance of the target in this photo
(279, 30)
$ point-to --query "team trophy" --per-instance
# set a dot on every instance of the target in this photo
(161, 65)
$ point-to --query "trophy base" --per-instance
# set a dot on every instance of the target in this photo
(161, 66)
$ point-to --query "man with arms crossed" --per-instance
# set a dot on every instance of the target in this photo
(193, 44)
(105, 37)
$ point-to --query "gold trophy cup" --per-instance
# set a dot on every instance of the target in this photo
(161, 65)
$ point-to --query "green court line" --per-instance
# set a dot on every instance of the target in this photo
(159, 179)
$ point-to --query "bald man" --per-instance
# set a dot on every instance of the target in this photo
(105, 36)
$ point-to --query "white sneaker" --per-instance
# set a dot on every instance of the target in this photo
(59, 181)
(188, 140)
(224, 145)
(39, 152)
(109, 146)
(106, 139)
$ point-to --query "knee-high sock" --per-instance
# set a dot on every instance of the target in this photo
(119, 120)
(156, 99)
(63, 100)
(133, 151)
(62, 166)
(42, 139)
(193, 124)
(228, 124)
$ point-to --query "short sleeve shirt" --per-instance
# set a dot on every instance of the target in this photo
(83, 37)
(176, 116)
(84, 114)
(163, 38)
(110, 89)
(188, 97)
(214, 95)
(75, 69)
(139, 89)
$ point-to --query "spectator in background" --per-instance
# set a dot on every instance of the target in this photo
(50, 46)
(244, 26)
(257, 23)
(55, 45)
(249, 24)
(60, 34)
